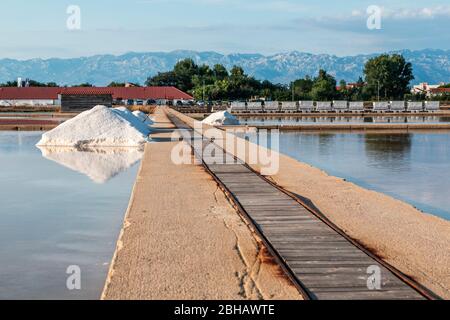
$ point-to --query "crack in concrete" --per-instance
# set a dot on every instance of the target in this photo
(215, 194)
(248, 278)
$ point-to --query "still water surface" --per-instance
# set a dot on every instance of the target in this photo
(413, 167)
(59, 207)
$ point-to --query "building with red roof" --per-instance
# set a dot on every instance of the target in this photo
(351, 85)
(439, 91)
(10, 96)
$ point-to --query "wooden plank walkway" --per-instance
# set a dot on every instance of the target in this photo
(325, 264)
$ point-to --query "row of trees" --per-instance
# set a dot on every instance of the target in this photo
(386, 77)
(30, 83)
(34, 83)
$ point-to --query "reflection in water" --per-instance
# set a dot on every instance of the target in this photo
(391, 151)
(99, 164)
(325, 140)
(52, 217)
(411, 167)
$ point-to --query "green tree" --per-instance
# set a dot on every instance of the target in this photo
(324, 87)
(388, 76)
(116, 84)
(220, 72)
(182, 76)
(184, 72)
(85, 84)
(302, 88)
(163, 79)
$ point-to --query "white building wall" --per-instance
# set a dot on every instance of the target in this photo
(21, 102)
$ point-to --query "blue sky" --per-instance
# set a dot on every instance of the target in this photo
(32, 29)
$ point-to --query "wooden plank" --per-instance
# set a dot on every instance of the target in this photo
(368, 295)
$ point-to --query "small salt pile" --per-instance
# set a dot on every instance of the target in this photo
(131, 117)
(99, 127)
(143, 117)
(220, 119)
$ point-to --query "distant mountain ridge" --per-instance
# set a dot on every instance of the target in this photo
(429, 65)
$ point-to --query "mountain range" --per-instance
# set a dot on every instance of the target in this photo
(429, 65)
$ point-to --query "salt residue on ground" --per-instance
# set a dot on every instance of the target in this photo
(99, 127)
(99, 164)
(221, 118)
(143, 117)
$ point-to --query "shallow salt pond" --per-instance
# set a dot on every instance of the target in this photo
(59, 208)
(413, 167)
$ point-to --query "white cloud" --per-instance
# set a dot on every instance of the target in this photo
(409, 13)
(419, 13)
(357, 13)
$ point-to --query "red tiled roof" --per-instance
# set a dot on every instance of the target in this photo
(48, 93)
(86, 90)
(31, 93)
(169, 93)
(440, 90)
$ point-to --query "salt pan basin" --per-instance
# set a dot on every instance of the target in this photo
(99, 127)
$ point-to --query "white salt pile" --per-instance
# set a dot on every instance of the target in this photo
(130, 117)
(99, 164)
(221, 118)
(99, 127)
(143, 117)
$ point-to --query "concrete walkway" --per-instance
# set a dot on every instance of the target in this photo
(183, 240)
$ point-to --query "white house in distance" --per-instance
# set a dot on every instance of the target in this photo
(425, 88)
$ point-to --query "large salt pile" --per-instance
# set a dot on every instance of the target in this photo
(99, 127)
(143, 117)
(221, 118)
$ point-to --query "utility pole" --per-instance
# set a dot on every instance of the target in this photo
(203, 91)
(292, 85)
(378, 81)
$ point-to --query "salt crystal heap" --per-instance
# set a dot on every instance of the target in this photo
(143, 117)
(99, 127)
(222, 118)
